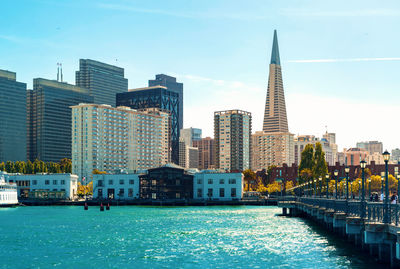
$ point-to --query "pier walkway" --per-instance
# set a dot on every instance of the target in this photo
(373, 226)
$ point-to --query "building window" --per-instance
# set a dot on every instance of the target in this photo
(154, 182)
(110, 182)
(100, 183)
(210, 193)
(130, 192)
(54, 182)
(177, 182)
(232, 181)
(34, 182)
(47, 182)
(121, 193)
(178, 195)
(121, 182)
(199, 181)
(199, 193)
(221, 192)
(63, 182)
(131, 181)
(233, 192)
(210, 181)
(153, 195)
(221, 181)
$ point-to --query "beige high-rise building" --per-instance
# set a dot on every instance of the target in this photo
(232, 132)
(275, 119)
(271, 149)
(206, 152)
(109, 139)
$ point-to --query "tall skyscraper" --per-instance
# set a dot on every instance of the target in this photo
(49, 114)
(371, 146)
(12, 118)
(104, 81)
(232, 132)
(275, 119)
(172, 85)
(109, 139)
(156, 97)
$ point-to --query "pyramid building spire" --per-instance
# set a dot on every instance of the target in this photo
(275, 118)
(275, 51)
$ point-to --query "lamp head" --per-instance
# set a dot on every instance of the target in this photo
(347, 169)
(386, 156)
(336, 173)
(363, 164)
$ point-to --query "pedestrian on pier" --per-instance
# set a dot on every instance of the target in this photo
(393, 198)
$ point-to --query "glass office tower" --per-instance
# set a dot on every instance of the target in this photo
(156, 97)
(49, 113)
(171, 84)
(103, 80)
(12, 118)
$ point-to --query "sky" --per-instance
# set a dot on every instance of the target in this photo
(340, 59)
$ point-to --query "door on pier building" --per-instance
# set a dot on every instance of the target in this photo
(110, 193)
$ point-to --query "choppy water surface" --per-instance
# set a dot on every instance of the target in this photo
(167, 237)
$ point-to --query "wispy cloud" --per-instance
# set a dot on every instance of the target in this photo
(188, 15)
(342, 13)
(345, 60)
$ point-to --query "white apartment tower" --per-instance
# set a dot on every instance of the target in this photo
(110, 139)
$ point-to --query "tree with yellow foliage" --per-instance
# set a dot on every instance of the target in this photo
(84, 190)
(273, 187)
(288, 185)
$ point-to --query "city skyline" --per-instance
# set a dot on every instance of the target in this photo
(221, 56)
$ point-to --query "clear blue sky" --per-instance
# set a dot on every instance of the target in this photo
(220, 50)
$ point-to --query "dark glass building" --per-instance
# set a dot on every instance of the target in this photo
(167, 182)
(171, 84)
(103, 80)
(49, 114)
(12, 118)
(156, 97)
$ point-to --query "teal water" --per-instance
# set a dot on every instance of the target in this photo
(168, 237)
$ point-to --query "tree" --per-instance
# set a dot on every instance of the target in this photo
(98, 172)
(320, 168)
(261, 187)
(250, 179)
(306, 161)
(66, 165)
(288, 185)
(10, 167)
(2, 166)
(273, 187)
(29, 167)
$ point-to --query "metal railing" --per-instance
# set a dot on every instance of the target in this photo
(374, 211)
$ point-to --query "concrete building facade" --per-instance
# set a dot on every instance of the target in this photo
(116, 186)
(232, 132)
(44, 186)
(110, 139)
(206, 152)
(212, 185)
(371, 146)
(13, 136)
(159, 97)
(271, 149)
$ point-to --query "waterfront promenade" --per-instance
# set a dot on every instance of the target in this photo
(372, 226)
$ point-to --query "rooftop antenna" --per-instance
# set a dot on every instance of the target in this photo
(58, 71)
(61, 73)
(326, 127)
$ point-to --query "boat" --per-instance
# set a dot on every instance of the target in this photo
(8, 193)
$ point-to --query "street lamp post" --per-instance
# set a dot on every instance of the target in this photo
(327, 185)
(369, 187)
(398, 187)
(363, 207)
(347, 170)
(320, 186)
(336, 173)
(386, 157)
(315, 188)
(382, 182)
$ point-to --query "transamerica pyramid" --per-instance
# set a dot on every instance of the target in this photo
(275, 119)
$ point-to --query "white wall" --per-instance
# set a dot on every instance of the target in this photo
(227, 181)
(129, 183)
(56, 182)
